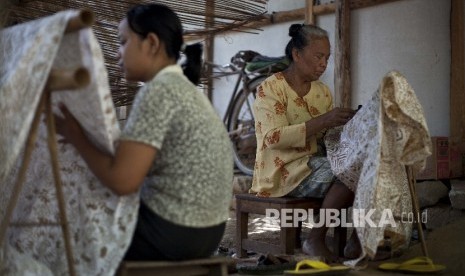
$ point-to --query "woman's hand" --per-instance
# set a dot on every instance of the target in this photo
(337, 117)
(68, 127)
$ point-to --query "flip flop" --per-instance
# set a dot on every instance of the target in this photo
(266, 265)
(316, 267)
(418, 265)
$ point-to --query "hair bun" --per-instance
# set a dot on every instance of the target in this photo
(294, 29)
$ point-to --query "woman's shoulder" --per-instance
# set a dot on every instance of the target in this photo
(274, 81)
(318, 84)
(276, 77)
(171, 83)
(273, 87)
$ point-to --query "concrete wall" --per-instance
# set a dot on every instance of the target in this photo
(411, 36)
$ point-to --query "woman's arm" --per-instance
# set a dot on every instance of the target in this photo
(124, 172)
(279, 134)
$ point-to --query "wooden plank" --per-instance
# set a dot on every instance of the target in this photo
(457, 82)
(260, 208)
(342, 95)
(148, 264)
(209, 266)
(164, 271)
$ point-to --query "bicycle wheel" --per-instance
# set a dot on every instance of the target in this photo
(241, 127)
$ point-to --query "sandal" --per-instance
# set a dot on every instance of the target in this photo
(266, 265)
(418, 265)
(317, 267)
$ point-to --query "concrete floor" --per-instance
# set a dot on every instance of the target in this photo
(445, 246)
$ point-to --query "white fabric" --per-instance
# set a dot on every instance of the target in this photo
(370, 154)
(101, 223)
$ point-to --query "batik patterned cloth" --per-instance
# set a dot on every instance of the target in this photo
(369, 155)
(101, 223)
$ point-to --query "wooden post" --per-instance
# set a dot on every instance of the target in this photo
(457, 81)
(309, 17)
(209, 46)
(342, 55)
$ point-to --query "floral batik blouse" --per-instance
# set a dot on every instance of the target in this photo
(282, 148)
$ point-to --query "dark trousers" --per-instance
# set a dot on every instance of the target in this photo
(158, 239)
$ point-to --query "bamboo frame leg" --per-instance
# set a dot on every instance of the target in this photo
(22, 171)
(52, 146)
(45, 102)
(57, 80)
(416, 208)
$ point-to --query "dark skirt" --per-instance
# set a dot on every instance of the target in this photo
(158, 239)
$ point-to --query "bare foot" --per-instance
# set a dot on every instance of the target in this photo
(353, 248)
(316, 248)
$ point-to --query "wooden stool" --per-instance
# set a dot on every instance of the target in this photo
(214, 266)
(289, 236)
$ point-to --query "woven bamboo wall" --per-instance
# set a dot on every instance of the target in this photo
(222, 15)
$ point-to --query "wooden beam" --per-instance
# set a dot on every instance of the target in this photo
(457, 81)
(342, 94)
(299, 14)
(309, 17)
(287, 16)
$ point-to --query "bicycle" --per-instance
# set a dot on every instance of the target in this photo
(251, 69)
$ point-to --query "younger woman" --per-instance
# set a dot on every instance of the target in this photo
(174, 149)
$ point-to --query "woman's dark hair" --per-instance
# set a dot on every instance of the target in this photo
(162, 21)
(301, 36)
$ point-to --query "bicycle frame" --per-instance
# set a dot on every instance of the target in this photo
(241, 128)
(245, 79)
(240, 79)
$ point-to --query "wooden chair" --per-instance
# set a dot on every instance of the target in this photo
(289, 236)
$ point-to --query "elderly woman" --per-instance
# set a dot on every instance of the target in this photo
(293, 110)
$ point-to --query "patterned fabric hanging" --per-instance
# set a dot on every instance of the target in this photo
(101, 223)
(369, 155)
